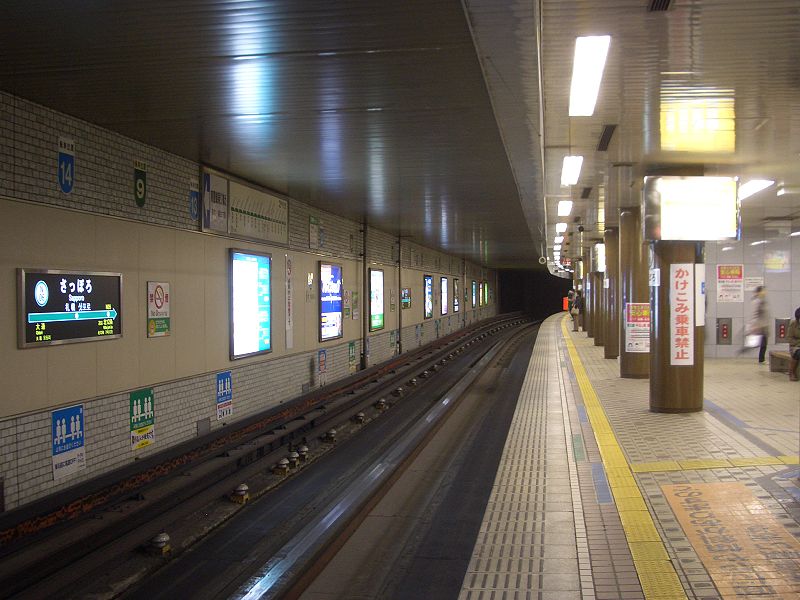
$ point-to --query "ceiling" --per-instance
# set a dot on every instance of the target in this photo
(431, 119)
(696, 49)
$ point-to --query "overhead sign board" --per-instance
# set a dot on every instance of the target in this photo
(258, 215)
(215, 202)
(59, 307)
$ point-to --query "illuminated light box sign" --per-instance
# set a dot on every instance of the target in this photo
(427, 287)
(375, 299)
(690, 208)
(330, 301)
(696, 123)
(474, 293)
(61, 307)
(251, 303)
(443, 290)
(456, 300)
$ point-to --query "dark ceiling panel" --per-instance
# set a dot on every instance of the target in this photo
(366, 109)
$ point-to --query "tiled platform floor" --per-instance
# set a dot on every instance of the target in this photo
(596, 497)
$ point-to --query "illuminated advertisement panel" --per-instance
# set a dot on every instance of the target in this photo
(330, 301)
(428, 294)
(474, 293)
(456, 299)
(486, 293)
(691, 208)
(480, 293)
(60, 307)
(251, 303)
(375, 299)
(443, 290)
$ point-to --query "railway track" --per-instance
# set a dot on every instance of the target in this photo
(192, 495)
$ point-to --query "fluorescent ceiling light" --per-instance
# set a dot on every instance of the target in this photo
(558, 239)
(784, 189)
(758, 243)
(561, 227)
(571, 170)
(795, 233)
(587, 72)
(557, 247)
(753, 187)
(564, 208)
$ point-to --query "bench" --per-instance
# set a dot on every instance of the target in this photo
(779, 361)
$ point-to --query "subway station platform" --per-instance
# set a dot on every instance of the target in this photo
(597, 497)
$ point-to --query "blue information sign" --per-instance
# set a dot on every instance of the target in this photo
(194, 204)
(67, 436)
(66, 164)
(224, 395)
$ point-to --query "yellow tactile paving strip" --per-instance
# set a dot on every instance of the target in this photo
(653, 566)
(695, 465)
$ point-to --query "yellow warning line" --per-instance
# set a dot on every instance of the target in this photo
(714, 463)
(653, 566)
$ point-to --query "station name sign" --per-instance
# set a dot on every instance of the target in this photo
(60, 307)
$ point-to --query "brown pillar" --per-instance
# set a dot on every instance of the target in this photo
(634, 362)
(587, 295)
(611, 346)
(597, 310)
(676, 343)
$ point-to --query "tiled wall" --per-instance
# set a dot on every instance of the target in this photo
(102, 206)
(776, 262)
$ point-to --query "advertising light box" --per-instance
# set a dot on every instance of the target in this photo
(428, 293)
(375, 299)
(61, 307)
(456, 299)
(330, 301)
(474, 293)
(443, 290)
(251, 303)
(690, 208)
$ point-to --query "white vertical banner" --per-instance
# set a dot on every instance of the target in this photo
(681, 314)
(700, 295)
(289, 305)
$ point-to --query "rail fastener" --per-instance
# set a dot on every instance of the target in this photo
(282, 467)
(294, 459)
(358, 418)
(303, 452)
(159, 545)
(241, 495)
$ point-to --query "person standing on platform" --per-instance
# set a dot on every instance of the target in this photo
(793, 336)
(570, 302)
(576, 311)
(759, 321)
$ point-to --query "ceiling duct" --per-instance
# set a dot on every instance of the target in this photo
(605, 138)
(586, 193)
(658, 5)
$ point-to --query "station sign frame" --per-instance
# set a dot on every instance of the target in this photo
(39, 297)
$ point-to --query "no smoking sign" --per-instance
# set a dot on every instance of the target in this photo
(158, 322)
